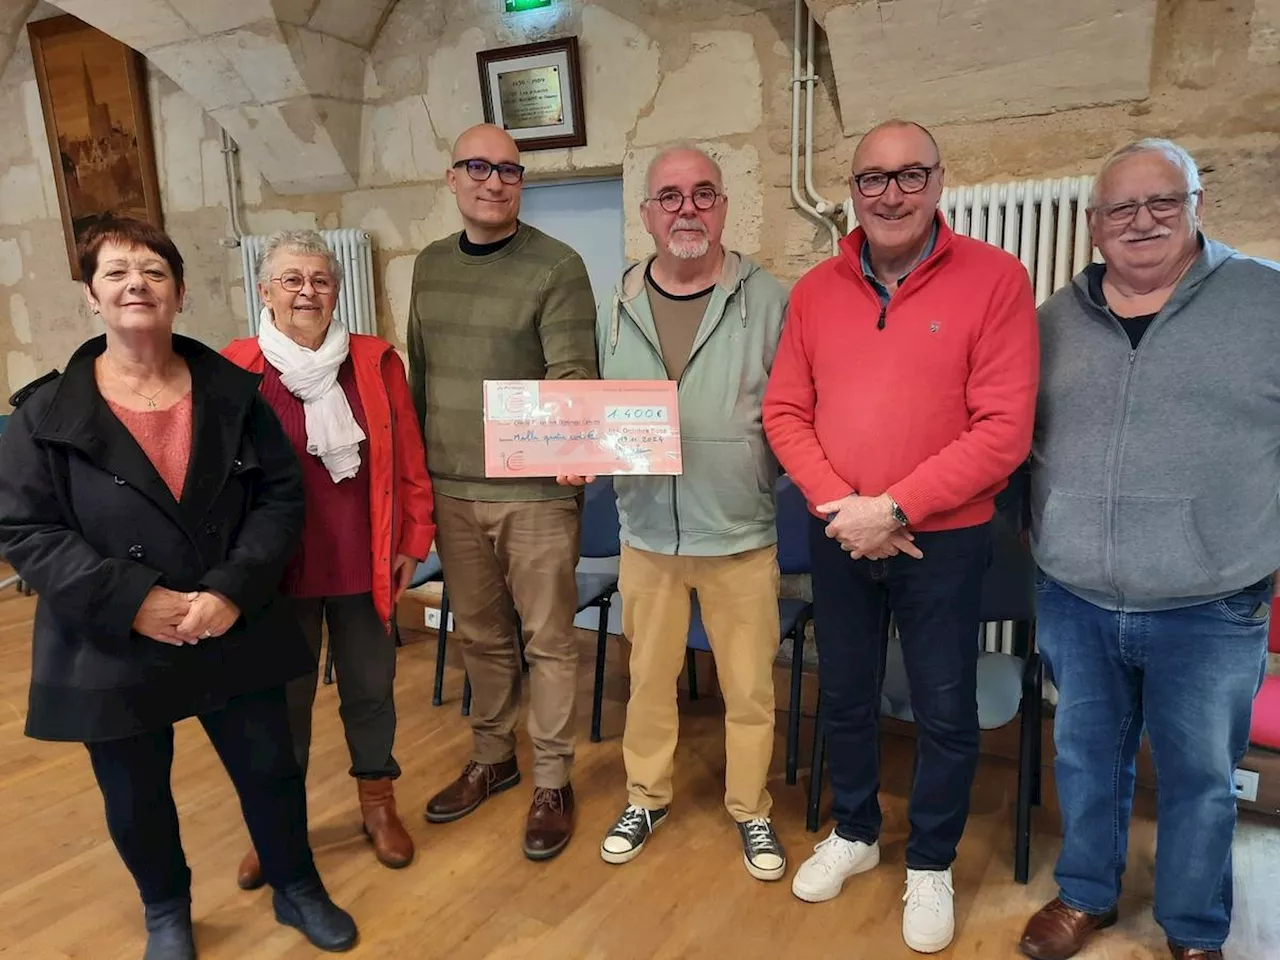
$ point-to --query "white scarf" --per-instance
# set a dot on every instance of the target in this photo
(312, 376)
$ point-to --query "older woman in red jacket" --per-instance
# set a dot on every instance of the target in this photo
(344, 403)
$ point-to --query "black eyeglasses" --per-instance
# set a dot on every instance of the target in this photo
(671, 200)
(909, 180)
(481, 170)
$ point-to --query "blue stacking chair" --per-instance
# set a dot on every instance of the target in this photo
(430, 570)
(595, 589)
(1009, 684)
(600, 541)
(794, 615)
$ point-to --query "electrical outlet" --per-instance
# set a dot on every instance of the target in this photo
(432, 617)
(1246, 783)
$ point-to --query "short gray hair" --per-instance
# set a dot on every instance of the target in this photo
(303, 242)
(682, 147)
(1175, 154)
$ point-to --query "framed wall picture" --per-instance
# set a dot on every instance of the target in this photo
(534, 92)
(96, 116)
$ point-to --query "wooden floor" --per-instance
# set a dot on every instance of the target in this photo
(471, 895)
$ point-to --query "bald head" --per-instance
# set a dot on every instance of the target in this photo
(895, 187)
(487, 141)
(897, 137)
(487, 190)
(679, 157)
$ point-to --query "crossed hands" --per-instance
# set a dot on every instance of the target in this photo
(866, 528)
(168, 616)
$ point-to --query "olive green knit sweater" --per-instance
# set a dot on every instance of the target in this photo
(525, 312)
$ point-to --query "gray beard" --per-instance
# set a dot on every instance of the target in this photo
(689, 251)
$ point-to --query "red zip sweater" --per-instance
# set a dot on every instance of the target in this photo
(936, 408)
(401, 498)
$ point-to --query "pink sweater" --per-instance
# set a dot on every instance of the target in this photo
(164, 436)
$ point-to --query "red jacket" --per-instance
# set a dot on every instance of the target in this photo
(936, 408)
(400, 498)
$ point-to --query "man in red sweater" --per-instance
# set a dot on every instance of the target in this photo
(901, 399)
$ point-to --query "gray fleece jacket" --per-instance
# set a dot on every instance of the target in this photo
(1155, 472)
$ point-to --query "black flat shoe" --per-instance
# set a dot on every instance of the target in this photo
(306, 906)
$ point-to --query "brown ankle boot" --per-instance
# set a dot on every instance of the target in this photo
(391, 842)
(249, 876)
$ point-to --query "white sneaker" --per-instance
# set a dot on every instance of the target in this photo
(928, 919)
(834, 861)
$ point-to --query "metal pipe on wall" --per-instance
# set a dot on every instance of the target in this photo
(823, 206)
(802, 202)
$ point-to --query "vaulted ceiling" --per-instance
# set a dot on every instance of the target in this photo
(284, 77)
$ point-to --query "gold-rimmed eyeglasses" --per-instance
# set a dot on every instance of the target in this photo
(321, 283)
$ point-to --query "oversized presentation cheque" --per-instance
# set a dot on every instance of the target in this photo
(542, 428)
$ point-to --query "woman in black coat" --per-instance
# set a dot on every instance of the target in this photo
(150, 497)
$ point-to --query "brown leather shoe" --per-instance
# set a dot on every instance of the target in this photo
(249, 876)
(478, 782)
(1192, 953)
(550, 823)
(391, 842)
(1058, 931)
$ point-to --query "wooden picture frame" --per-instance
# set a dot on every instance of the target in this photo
(98, 121)
(534, 92)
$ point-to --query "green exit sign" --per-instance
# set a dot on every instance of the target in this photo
(520, 6)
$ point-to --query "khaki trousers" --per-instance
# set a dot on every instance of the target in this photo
(738, 596)
(500, 559)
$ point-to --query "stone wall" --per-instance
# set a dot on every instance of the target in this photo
(1012, 88)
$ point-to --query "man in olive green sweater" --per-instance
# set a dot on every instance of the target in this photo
(502, 301)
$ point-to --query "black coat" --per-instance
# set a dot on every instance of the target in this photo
(87, 521)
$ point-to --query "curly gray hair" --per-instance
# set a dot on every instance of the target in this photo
(305, 242)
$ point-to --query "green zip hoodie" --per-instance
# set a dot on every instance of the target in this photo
(723, 502)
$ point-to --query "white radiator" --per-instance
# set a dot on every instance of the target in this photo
(1043, 224)
(354, 250)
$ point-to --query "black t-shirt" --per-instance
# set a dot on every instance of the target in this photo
(1135, 327)
(481, 249)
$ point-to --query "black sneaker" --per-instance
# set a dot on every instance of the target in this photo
(628, 835)
(762, 850)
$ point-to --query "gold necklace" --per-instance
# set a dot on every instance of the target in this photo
(151, 400)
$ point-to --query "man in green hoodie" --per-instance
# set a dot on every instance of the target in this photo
(709, 319)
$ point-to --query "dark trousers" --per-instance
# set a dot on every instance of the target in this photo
(364, 658)
(251, 736)
(935, 604)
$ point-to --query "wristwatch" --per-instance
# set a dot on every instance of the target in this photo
(898, 513)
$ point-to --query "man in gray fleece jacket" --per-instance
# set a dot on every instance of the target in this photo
(1156, 527)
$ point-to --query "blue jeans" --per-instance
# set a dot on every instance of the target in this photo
(1188, 675)
(934, 602)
